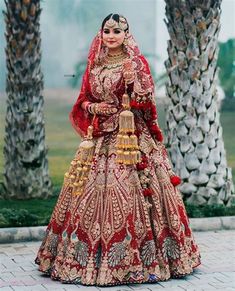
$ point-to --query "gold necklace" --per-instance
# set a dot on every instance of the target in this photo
(113, 61)
(116, 55)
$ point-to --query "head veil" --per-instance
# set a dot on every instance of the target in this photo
(80, 119)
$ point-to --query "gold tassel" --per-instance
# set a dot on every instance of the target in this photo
(81, 165)
(127, 142)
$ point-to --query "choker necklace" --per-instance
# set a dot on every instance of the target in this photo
(113, 61)
(115, 55)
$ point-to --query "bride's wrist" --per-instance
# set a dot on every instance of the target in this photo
(92, 108)
(130, 79)
(85, 105)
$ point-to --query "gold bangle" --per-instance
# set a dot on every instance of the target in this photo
(96, 108)
(92, 108)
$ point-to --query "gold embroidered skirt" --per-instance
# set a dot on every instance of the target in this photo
(111, 233)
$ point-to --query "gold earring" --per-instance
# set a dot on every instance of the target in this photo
(125, 41)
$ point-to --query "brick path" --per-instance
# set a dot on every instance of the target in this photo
(217, 272)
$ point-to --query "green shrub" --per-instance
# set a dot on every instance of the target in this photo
(17, 217)
(45, 220)
(194, 211)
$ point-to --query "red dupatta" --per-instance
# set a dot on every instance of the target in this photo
(79, 118)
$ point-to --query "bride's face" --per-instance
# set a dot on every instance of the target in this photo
(113, 37)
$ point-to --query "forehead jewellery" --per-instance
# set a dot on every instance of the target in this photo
(122, 23)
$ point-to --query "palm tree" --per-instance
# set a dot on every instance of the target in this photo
(194, 133)
(26, 166)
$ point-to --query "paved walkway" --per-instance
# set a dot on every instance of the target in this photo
(217, 272)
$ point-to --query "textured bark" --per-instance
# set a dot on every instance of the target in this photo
(194, 133)
(26, 166)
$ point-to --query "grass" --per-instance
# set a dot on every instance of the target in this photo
(228, 121)
(63, 141)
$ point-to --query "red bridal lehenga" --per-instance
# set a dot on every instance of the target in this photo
(129, 224)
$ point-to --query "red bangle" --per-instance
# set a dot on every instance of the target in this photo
(86, 104)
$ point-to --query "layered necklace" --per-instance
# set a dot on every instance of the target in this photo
(114, 60)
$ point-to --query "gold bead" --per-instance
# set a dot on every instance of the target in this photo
(81, 183)
(78, 192)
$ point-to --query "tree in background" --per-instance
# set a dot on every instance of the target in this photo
(194, 132)
(226, 63)
(26, 166)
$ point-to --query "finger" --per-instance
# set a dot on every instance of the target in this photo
(112, 109)
(109, 106)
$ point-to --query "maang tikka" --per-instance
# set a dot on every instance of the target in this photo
(111, 22)
(122, 22)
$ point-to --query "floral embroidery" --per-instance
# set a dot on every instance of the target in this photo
(65, 241)
(139, 227)
(116, 253)
(81, 252)
(170, 248)
(107, 229)
(148, 252)
(52, 242)
(96, 230)
(175, 222)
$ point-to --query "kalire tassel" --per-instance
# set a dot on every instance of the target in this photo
(127, 144)
(79, 171)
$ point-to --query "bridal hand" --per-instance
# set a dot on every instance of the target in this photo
(106, 109)
(128, 71)
(102, 108)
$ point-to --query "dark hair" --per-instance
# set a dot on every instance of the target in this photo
(114, 17)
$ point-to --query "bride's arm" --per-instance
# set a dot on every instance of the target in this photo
(140, 88)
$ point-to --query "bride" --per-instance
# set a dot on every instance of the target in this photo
(125, 220)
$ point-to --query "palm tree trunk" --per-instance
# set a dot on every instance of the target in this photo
(194, 133)
(26, 166)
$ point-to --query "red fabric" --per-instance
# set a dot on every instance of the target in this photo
(79, 118)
